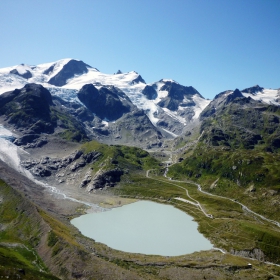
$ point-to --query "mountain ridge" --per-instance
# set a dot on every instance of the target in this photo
(71, 75)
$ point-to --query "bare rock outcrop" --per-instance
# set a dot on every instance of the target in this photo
(86, 179)
(47, 166)
(103, 179)
(254, 253)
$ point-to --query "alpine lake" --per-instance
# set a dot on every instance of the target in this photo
(144, 227)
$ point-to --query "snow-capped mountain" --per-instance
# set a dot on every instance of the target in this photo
(169, 105)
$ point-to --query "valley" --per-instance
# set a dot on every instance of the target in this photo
(74, 140)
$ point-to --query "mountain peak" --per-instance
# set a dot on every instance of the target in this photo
(168, 81)
(235, 94)
(138, 79)
(253, 89)
(68, 71)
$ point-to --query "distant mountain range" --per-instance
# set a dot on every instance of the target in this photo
(118, 108)
(169, 105)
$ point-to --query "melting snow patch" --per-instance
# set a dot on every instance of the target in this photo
(201, 103)
(169, 132)
(174, 116)
(9, 153)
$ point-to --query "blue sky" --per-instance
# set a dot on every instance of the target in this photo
(212, 45)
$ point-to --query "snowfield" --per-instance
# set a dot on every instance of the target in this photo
(268, 96)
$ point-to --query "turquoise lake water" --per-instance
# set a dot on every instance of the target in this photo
(144, 227)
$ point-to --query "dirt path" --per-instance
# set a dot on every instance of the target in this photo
(195, 203)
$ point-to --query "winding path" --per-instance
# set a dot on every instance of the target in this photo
(244, 207)
(196, 203)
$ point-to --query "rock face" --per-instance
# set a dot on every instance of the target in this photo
(150, 92)
(220, 100)
(177, 95)
(106, 178)
(135, 127)
(107, 102)
(177, 106)
(255, 254)
(33, 112)
(28, 107)
(69, 70)
(253, 89)
(51, 166)
(86, 180)
(138, 80)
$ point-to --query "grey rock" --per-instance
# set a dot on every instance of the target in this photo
(105, 179)
(41, 171)
(26, 139)
(150, 92)
(92, 156)
(74, 156)
(254, 253)
(77, 165)
(253, 89)
(86, 180)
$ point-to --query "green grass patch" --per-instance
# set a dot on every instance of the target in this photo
(18, 262)
(19, 234)
(130, 158)
(139, 186)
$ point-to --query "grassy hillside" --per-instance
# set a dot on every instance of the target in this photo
(130, 158)
(19, 234)
(237, 154)
(33, 238)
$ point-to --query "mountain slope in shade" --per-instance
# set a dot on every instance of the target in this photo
(107, 103)
(28, 107)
